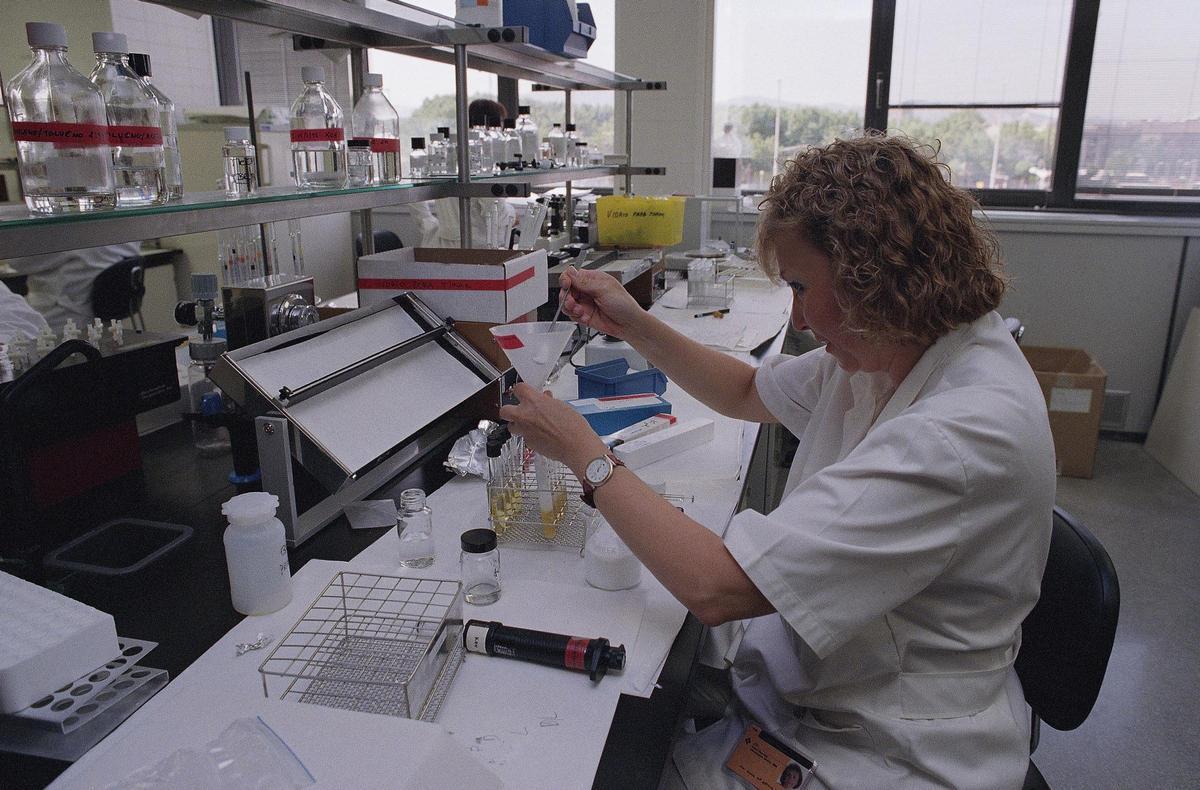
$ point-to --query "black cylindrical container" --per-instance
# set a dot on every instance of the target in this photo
(593, 656)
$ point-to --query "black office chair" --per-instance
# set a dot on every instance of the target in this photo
(1067, 638)
(117, 292)
(384, 240)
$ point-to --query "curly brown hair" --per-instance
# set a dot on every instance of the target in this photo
(910, 262)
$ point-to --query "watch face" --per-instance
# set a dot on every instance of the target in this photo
(598, 470)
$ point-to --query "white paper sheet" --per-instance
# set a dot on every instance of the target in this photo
(758, 311)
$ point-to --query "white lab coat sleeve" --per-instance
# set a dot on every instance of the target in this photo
(790, 386)
(860, 537)
(17, 318)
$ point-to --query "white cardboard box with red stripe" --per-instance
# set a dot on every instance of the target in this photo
(495, 286)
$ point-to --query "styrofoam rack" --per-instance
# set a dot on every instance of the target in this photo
(514, 503)
(375, 644)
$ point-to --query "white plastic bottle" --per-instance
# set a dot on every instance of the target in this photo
(260, 580)
(375, 119)
(134, 130)
(318, 135)
(61, 129)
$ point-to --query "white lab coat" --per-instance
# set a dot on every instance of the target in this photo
(905, 554)
(60, 283)
(448, 234)
(17, 318)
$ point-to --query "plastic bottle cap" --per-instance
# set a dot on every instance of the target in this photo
(444, 131)
(372, 80)
(418, 142)
(359, 143)
(523, 109)
(109, 42)
(312, 73)
(570, 127)
(246, 510)
(478, 541)
(510, 123)
(140, 63)
(558, 126)
(237, 133)
(45, 34)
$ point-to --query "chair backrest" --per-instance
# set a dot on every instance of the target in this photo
(118, 290)
(1067, 638)
(384, 240)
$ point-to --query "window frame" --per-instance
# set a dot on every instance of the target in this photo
(1072, 107)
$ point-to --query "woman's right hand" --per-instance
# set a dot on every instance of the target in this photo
(598, 300)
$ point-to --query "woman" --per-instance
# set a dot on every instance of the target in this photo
(879, 606)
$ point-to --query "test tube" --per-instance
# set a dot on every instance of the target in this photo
(297, 247)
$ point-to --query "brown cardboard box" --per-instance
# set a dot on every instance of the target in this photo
(1073, 384)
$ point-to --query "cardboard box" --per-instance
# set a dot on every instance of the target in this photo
(608, 415)
(1073, 384)
(493, 286)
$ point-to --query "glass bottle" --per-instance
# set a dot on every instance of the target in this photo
(360, 168)
(476, 157)
(558, 144)
(375, 119)
(241, 162)
(134, 134)
(204, 398)
(451, 151)
(418, 160)
(581, 154)
(569, 154)
(479, 566)
(493, 144)
(61, 129)
(527, 130)
(318, 135)
(510, 140)
(173, 166)
(414, 525)
(437, 154)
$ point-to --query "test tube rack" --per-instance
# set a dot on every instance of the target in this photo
(515, 502)
(373, 644)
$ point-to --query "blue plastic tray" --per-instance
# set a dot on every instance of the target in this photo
(613, 377)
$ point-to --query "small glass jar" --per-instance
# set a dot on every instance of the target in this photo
(241, 162)
(414, 523)
(480, 567)
(359, 163)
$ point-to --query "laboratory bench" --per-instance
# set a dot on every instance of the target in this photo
(183, 602)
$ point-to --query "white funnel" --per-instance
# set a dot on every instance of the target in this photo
(533, 348)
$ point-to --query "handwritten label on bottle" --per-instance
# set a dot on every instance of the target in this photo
(62, 135)
(135, 136)
(318, 135)
(382, 145)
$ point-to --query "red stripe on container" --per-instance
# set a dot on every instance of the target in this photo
(509, 342)
(62, 135)
(318, 135)
(135, 136)
(443, 283)
(575, 653)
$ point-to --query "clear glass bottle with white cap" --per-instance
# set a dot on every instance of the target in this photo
(418, 160)
(318, 135)
(527, 130)
(414, 524)
(173, 165)
(60, 125)
(479, 566)
(375, 119)
(134, 131)
(260, 579)
(241, 162)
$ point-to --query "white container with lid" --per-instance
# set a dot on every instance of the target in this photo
(260, 580)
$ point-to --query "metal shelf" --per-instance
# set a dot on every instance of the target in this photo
(22, 233)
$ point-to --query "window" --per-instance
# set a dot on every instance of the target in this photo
(1141, 133)
(793, 82)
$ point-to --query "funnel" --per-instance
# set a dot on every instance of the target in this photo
(533, 348)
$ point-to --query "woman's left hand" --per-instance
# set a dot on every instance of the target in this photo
(552, 428)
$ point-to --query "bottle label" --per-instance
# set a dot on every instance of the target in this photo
(383, 145)
(135, 136)
(62, 135)
(318, 135)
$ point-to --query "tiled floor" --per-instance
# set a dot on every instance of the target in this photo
(1145, 729)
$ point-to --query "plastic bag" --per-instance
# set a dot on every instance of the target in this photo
(247, 755)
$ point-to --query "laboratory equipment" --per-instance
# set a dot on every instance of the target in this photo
(318, 135)
(375, 644)
(297, 247)
(241, 162)
(258, 307)
(414, 526)
(558, 144)
(360, 163)
(569, 151)
(475, 152)
(418, 159)
(593, 656)
(647, 426)
(60, 125)
(479, 566)
(607, 415)
(205, 402)
(437, 153)
(375, 120)
(510, 142)
(355, 400)
(134, 134)
(608, 563)
(564, 27)
(534, 501)
(260, 579)
(683, 435)
(172, 164)
(528, 133)
(121, 547)
(614, 377)
(707, 288)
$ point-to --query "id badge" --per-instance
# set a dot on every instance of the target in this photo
(760, 760)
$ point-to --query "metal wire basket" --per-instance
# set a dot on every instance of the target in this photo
(515, 501)
(375, 644)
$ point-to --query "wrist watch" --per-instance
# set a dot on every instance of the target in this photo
(598, 472)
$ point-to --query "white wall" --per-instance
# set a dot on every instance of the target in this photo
(180, 49)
